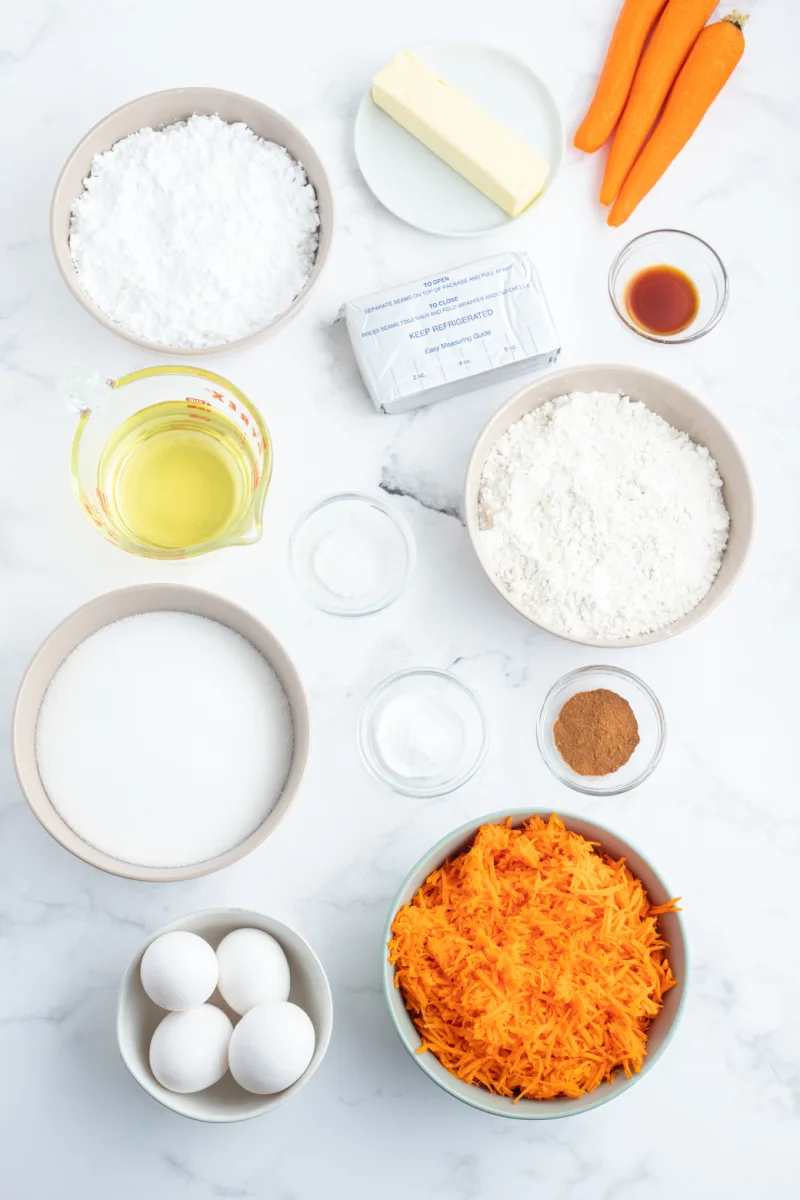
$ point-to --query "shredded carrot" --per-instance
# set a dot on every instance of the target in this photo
(532, 964)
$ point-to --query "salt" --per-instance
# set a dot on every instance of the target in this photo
(194, 235)
(419, 737)
(164, 739)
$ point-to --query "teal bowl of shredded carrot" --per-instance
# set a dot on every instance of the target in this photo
(535, 965)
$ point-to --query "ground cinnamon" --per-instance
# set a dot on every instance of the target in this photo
(596, 732)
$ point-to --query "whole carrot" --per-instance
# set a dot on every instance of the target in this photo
(673, 38)
(633, 27)
(708, 68)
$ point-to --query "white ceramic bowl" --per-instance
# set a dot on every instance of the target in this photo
(661, 1029)
(165, 108)
(681, 409)
(113, 606)
(138, 1016)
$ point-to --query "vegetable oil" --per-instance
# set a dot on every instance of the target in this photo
(176, 477)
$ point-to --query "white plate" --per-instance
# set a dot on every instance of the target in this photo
(418, 187)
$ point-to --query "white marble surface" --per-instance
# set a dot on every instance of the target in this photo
(719, 1115)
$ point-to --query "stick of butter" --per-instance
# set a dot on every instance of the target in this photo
(460, 132)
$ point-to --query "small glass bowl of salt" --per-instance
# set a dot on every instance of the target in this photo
(423, 732)
(351, 555)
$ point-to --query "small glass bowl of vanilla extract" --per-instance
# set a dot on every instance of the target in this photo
(668, 286)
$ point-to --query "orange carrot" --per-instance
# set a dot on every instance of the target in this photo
(627, 42)
(532, 964)
(708, 68)
(673, 38)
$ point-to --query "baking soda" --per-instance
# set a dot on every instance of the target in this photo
(347, 562)
(164, 739)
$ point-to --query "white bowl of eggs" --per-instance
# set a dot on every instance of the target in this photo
(224, 1014)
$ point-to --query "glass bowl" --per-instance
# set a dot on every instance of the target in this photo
(423, 732)
(649, 716)
(351, 555)
(685, 252)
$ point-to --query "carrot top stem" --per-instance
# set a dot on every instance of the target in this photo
(738, 19)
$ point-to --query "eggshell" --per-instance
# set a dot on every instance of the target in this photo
(271, 1047)
(189, 1050)
(253, 969)
(179, 970)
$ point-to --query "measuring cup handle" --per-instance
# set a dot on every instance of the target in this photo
(84, 390)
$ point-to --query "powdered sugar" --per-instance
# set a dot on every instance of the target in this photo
(601, 520)
(194, 235)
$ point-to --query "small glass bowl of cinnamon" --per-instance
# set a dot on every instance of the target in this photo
(601, 731)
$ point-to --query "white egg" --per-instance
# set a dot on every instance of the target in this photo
(253, 969)
(189, 1050)
(179, 970)
(271, 1047)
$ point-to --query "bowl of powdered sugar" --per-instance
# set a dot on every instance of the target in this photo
(160, 732)
(192, 220)
(609, 506)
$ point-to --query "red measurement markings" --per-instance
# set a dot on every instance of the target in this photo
(198, 415)
(93, 513)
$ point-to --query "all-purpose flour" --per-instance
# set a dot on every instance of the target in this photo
(194, 235)
(601, 520)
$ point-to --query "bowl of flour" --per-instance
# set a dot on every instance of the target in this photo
(192, 220)
(609, 506)
(160, 733)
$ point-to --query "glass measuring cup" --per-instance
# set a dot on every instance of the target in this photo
(200, 399)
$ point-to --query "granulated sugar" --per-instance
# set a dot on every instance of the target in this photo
(598, 519)
(194, 235)
(164, 739)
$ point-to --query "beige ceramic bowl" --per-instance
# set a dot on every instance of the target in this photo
(683, 411)
(661, 1029)
(165, 108)
(149, 597)
(138, 1016)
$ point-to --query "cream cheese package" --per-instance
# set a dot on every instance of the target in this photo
(477, 324)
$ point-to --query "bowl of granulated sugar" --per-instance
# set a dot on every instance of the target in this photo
(192, 220)
(160, 733)
(609, 506)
